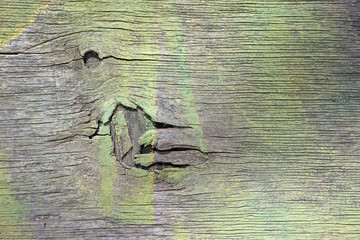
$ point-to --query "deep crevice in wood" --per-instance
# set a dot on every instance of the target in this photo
(137, 123)
(161, 166)
(96, 133)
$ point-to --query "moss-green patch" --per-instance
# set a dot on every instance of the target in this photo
(12, 224)
(127, 33)
(148, 139)
(295, 77)
(104, 130)
(116, 36)
(108, 174)
(16, 15)
(144, 160)
(215, 203)
(135, 197)
(285, 78)
(181, 232)
(108, 107)
(184, 81)
(174, 175)
(124, 194)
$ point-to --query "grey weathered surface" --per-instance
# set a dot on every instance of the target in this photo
(269, 91)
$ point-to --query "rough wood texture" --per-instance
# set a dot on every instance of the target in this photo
(265, 93)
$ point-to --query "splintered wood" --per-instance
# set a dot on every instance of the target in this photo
(139, 119)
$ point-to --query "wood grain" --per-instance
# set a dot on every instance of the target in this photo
(268, 89)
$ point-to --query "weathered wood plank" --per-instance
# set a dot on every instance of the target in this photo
(264, 97)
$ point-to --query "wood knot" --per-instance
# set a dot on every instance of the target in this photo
(91, 59)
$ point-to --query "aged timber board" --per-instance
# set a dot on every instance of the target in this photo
(179, 119)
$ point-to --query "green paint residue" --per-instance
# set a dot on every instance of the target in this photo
(148, 139)
(109, 106)
(184, 81)
(289, 60)
(135, 203)
(125, 195)
(291, 69)
(181, 232)
(11, 211)
(15, 17)
(108, 174)
(144, 160)
(175, 175)
(217, 206)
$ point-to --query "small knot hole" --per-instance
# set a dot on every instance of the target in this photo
(91, 59)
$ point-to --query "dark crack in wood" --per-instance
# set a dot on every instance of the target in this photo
(128, 125)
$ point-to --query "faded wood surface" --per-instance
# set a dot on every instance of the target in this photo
(202, 120)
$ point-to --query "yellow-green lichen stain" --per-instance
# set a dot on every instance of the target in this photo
(181, 232)
(294, 82)
(148, 139)
(287, 81)
(291, 87)
(125, 194)
(15, 17)
(12, 213)
(135, 202)
(184, 81)
(145, 160)
(218, 205)
(122, 193)
(108, 174)
(281, 66)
